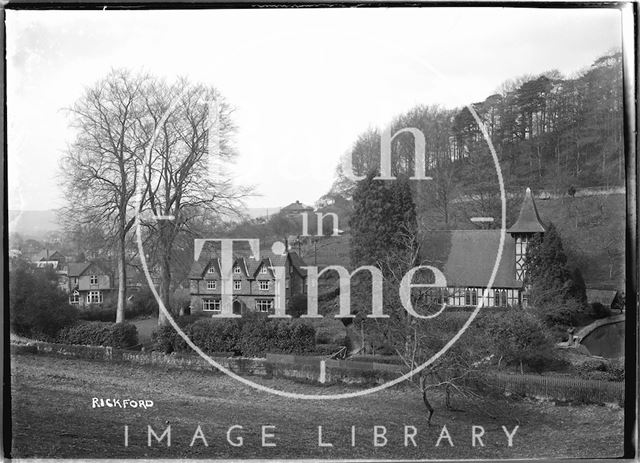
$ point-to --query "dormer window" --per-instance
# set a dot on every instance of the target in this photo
(93, 279)
(236, 270)
(263, 270)
(211, 270)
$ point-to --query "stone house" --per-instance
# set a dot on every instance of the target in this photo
(254, 283)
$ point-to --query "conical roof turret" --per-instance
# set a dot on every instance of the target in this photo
(528, 220)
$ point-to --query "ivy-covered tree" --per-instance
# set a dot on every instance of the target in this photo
(547, 271)
(554, 291)
(383, 215)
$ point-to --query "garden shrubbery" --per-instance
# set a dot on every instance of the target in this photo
(38, 308)
(253, 335)
(518, 336)
(119, 335)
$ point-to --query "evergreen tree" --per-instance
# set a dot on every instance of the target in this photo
(558, 295)
(384, 217)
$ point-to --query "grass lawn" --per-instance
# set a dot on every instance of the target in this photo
(52, 416)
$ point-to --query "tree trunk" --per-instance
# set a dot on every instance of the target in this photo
(165, 287)
(165, 269)
(122, 279)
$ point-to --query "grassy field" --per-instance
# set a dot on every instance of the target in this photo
(52, 416)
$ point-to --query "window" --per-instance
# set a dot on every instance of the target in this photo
(521, 254)
(93, 279)
(470, 297)
(74, 298)
(94, 297)
(211, 284)
(211, 305)
(237, 284)
(264, 305)
(263, 285)
(211, 270)
(236, 270)
(263, 270)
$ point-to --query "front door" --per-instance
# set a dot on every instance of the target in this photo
(237, 308)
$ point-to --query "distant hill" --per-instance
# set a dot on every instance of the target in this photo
(33, 224)
(36, 224)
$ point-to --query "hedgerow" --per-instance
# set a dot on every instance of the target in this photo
(119, 335)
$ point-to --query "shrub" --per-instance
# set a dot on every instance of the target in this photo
(215, 335)
(518, 336)
(120, 335)
(106, 313)
(598, 310)
(143, 303)
(38, 308)
(166, 339)
(561, 314)
(298, 305)
(253, 335)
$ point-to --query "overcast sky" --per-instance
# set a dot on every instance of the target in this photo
(304, 82)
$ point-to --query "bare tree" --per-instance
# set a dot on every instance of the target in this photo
(184, 171)
(99, 171)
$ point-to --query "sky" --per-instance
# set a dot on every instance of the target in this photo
(304, 82)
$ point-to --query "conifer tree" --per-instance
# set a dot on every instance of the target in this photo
(547, 271)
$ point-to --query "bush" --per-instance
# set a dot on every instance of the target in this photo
(106, 313)
(215, 335)
(143, 303)
(519, 336)
(562, 314)
(253, 335)
(298, 306)
(598, 311)
(38, 308)
(120, 335)
(166, 339)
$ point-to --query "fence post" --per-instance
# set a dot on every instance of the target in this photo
(323, 372)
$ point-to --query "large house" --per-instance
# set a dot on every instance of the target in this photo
(90, 284)
(467, 257)
(254, 284)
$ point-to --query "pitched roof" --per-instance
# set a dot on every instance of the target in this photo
(467, 257)
(77, 268)
(246, 261)
(295, 207)
(528, 220)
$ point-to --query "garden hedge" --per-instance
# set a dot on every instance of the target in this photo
(251, 336)
(119, 335)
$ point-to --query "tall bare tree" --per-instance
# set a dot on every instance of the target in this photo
(184, 171)
(100, 169)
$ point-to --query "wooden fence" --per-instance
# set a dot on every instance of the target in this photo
(559, 388)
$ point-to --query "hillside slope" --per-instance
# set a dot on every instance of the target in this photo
(592, 230)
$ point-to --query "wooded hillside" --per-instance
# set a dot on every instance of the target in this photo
(550, 133)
